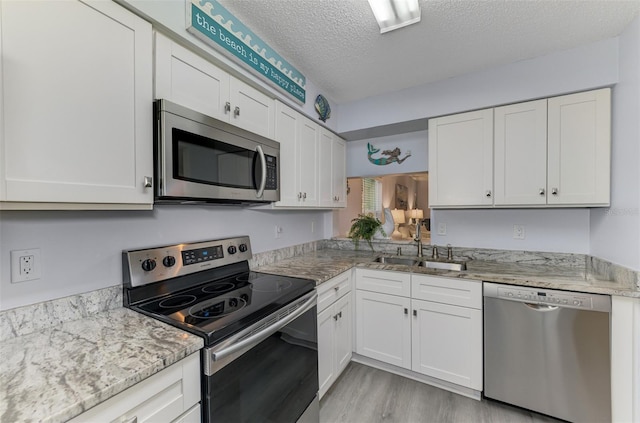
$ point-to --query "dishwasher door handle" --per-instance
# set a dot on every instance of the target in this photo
(541, 307)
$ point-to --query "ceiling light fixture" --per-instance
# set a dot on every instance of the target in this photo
(394, 14)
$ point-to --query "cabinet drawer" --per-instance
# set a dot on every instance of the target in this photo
(453, 291)
(333, 289)
(394, 283)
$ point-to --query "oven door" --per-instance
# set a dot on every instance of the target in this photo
(269, 373)
(201, 158)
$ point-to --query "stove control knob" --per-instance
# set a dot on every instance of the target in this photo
(148, 265)
(242, 248)
(232, 249)
(233, 302)
(169, 261)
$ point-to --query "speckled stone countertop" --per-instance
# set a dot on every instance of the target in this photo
(322, 265)
(56, 373)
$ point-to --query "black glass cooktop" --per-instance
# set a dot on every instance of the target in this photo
(217, 309)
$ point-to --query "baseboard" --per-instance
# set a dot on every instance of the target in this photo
(438, 383)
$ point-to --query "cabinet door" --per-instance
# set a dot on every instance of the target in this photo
(339, 172)
(343, 333)
(383, 328)
(307, 161)
(286, 134)
(384, 282)
(326, 349)
(580, 148)
(251, 109)
(185, 78)
(447, 343)
(325, 170)
(77, 103)
(461, 160)
(521, 154)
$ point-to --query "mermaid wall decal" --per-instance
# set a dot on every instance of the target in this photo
(393, 156)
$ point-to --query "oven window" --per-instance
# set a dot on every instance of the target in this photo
(209, 161)
(273, 382)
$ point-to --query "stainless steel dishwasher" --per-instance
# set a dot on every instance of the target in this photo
(548, 351)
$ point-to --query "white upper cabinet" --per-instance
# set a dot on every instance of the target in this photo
(552, 152)
(521, 154)
(579, 143)
(186, 78)
(75, 124)
(332, 171)
(461, 160)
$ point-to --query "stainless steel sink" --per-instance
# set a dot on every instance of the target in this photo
(397, 260)
(431, 264)
(444, 265)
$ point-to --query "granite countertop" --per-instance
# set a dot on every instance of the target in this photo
(54, 374)
(322, 265)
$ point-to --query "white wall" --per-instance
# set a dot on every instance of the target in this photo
(615, 232)
(81, 251)
(589, 66)
(554, 230)
(358, 163)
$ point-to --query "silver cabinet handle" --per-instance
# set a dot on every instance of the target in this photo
(554, 191)
(263, 163)
(299, 196)
(340, 315)
(304, 195)
(337, 288)
(488, 194)
(227, 107)
(148, 181)
(236, 111)
(415, 313)
(541, 192)
(335, 317)
(406, 310)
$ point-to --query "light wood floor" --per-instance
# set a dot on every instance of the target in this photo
(368, 395)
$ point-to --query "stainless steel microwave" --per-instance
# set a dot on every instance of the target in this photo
(199, 159)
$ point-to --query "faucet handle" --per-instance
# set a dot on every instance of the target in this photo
(449, 252)
(399, 251)
(434, 252)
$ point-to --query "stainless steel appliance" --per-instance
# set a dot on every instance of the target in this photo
(204, 160)
(548, 351)
(260, 361)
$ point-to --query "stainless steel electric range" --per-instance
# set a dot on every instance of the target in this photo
(260, 361)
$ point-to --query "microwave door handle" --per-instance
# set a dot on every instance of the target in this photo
(263, 181)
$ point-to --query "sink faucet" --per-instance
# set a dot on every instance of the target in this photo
(418, 237)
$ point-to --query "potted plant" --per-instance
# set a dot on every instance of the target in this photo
(365, 227)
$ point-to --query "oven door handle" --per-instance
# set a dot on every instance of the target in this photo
(263, 164)
(267, 332)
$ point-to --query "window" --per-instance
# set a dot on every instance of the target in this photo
(371, 196)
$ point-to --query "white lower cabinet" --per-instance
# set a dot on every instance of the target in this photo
(334, 329)
(447, 343)
(435, 330)
(172, 396)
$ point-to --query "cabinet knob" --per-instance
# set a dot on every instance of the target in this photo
(227, 107)
(148, 181)
(554, 191)
(299, 196)
(541, 191)
(488, 194)
(337, 288)
(335, 317)
(236, 111)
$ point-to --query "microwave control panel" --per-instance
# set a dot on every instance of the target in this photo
(272, 172)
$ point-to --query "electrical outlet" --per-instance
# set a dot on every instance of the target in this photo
(313, 226)
(25, 265)
(278, 230)
(442, 228)
(518, 232)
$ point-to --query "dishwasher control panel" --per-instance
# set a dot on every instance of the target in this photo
(579, 300)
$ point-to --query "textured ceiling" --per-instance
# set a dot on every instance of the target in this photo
(337, 43)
